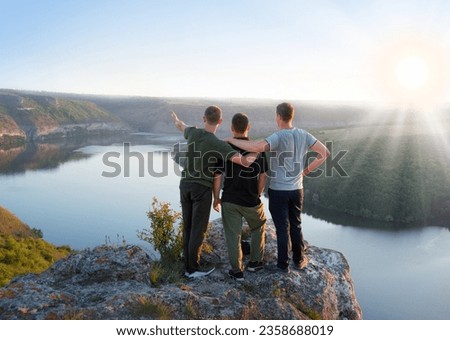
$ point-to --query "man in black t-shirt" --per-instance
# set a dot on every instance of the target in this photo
(204, 149)
(241, 198)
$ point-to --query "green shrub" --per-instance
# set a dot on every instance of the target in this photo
(163, 233)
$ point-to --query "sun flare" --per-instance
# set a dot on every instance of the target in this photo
(413, 72)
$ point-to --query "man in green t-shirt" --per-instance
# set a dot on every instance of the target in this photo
(204, 149)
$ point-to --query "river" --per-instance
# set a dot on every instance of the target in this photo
(84, 197)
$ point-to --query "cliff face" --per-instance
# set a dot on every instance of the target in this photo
(10, 133)
(39, 117)
(114, 283)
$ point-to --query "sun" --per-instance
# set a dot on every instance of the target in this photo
(413, 71)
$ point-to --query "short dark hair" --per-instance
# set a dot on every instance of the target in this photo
(285, 111)
(213, 114)
(239, 122)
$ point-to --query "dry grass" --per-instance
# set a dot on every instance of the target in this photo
(152, 308)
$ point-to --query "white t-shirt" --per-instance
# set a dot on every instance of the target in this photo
(288, 148)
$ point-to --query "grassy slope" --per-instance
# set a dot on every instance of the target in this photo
(11, 225)
(20, 251)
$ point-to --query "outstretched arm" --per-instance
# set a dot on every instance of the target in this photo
(322, 154)
(180, 125)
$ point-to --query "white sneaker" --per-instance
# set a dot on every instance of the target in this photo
(197, 274)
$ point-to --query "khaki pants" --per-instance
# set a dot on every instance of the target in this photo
(232, 223)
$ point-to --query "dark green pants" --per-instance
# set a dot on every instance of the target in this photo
(232, 215)
(196, 202)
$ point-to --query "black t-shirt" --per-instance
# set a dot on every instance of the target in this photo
(241, 184)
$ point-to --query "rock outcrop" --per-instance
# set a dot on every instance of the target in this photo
(115, 283)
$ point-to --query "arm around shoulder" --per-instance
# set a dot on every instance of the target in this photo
(246, 160)
(250, 145)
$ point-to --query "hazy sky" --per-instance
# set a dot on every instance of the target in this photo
(296, 49)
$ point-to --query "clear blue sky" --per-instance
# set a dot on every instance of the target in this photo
(291, 49)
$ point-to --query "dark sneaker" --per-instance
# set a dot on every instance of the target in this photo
(302, 264)
(238, 276)
(276, 268)
(254, 266)
(200, 273)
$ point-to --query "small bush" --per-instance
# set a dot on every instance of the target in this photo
(163, 234)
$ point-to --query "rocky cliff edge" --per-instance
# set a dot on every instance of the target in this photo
(110, 282)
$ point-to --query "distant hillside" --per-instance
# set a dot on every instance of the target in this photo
(39, 117)
(152, 114)
(46, 110)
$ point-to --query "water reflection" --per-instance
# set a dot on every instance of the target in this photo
(50, 155)
(344, 219)
(36, 156)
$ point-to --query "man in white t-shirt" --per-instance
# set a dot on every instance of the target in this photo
(288, 147)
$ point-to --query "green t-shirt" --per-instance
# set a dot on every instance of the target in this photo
(204, 150)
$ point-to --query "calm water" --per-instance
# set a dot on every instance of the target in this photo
(398, 273)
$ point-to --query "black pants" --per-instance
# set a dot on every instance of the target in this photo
(196, 202)
(286, 208)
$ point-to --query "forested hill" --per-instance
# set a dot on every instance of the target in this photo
(397, 173)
